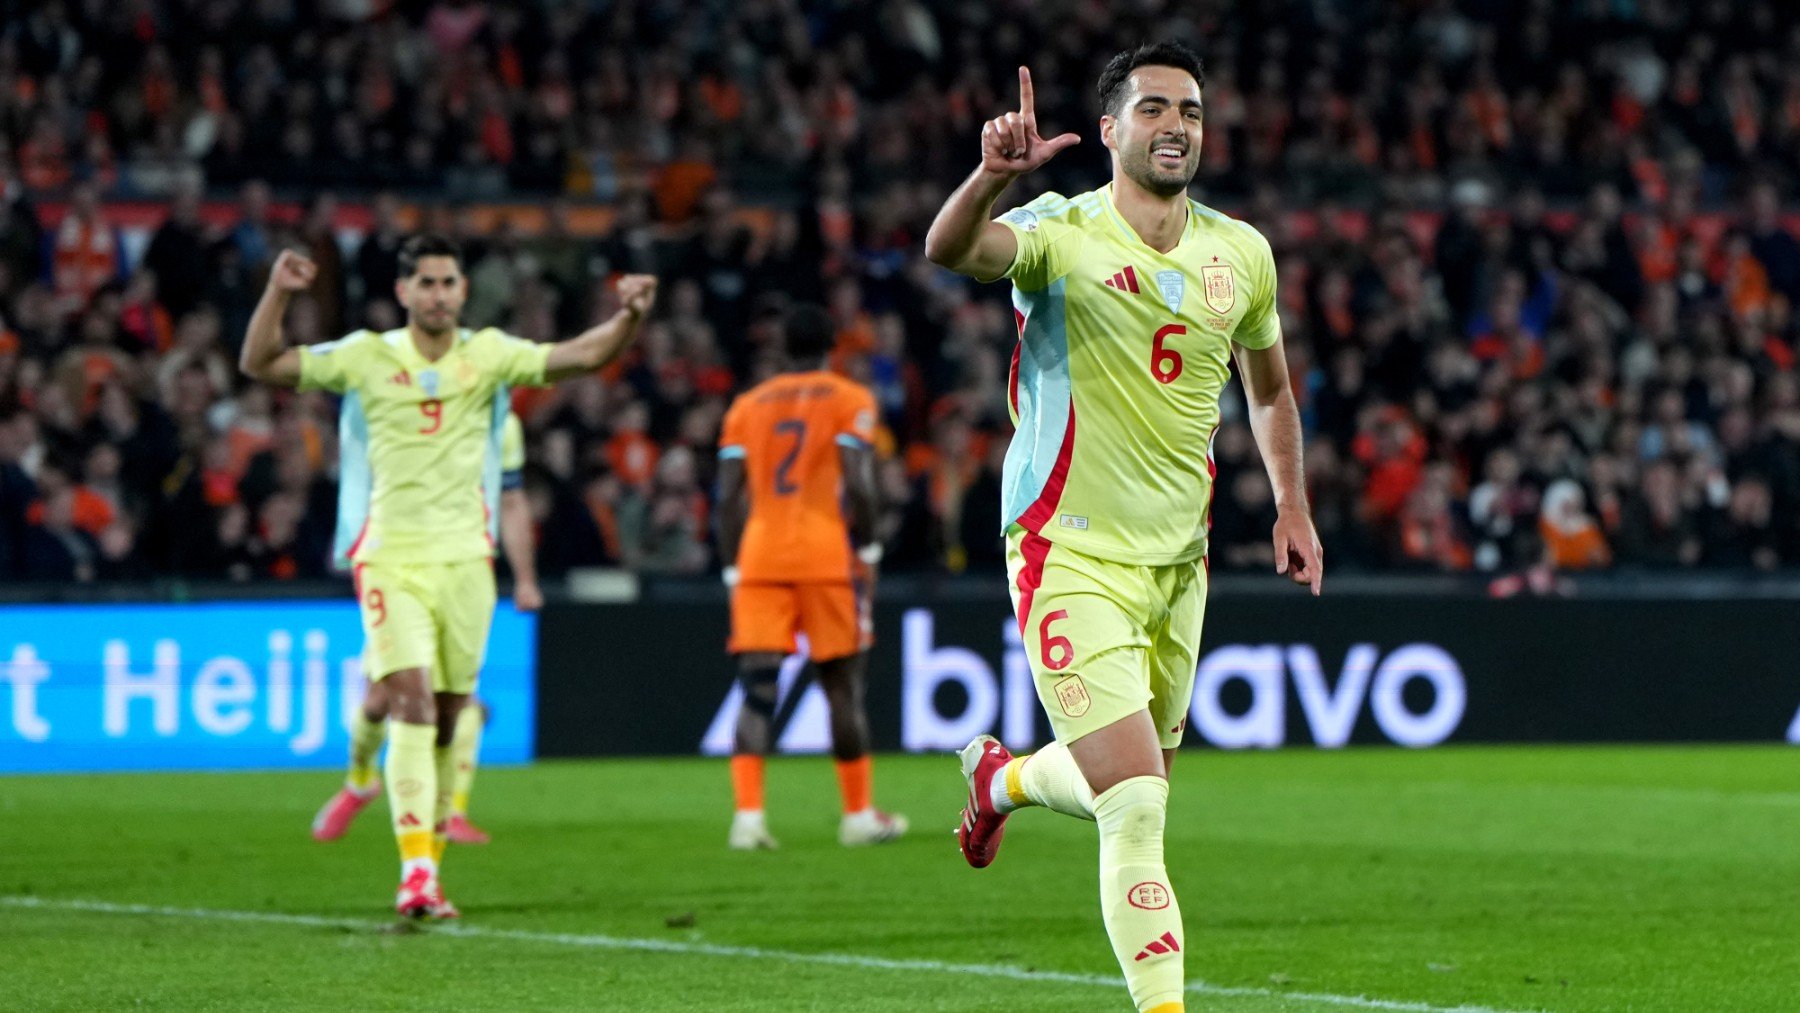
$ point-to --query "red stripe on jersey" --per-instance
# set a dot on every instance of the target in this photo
(1131, 279)
(1012, 381)
(360, 535)
(1212, 478)
(1012, 373)
(1038, 514)
(487, 522)
(1035, 548)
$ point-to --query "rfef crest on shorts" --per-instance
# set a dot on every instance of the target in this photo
(1173, 286)
(1221, 287)
(1072, 696)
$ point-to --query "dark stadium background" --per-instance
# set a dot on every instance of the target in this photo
(1529, 253)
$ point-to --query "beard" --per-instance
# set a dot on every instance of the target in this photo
(436, 324)
(1141, 168)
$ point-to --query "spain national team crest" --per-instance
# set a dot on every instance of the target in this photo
(1072, 696)
(1149, 895)
(1221, 287)
(1173, 285)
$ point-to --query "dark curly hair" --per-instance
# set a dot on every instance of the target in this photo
(427, 244)
(1153, 54)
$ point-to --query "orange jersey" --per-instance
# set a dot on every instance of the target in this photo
(787, 431)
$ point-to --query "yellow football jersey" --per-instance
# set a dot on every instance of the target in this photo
(1123, 353)
(512, 446)
(420, 441)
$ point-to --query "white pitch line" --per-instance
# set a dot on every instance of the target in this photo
(715, 950)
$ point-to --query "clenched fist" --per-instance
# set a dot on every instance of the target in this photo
(637, 292)
(293, 272)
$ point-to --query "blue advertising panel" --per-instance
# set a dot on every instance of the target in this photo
(215, 686)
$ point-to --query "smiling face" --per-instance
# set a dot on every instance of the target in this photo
(1155, 133)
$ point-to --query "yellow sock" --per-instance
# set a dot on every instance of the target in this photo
(1142, 919)
(444, 758)
(1050, 778)
(467, 746)
(412, 787)
(366, 738)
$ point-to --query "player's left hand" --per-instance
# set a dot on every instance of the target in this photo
(637, 293)
(1298, 552)
(527, 597)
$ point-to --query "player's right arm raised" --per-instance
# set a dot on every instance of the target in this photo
(963, 237)
(266, 355)
(601, 344)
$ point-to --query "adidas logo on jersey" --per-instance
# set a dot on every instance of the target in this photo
(1124, 281)
(1156, 947)
(403, 378)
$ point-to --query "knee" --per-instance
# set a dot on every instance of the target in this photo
(841, 696)
(1132, 815)
(409, 703)
(761, 686)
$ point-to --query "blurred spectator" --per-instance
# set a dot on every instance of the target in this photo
(1540, 298)
(1744, 535)
(1500, 511)
(177, 256)
(1659, 528)
(1572, 539)
(86, 251)
(1243, 518)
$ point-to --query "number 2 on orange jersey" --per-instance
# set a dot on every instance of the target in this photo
(784, 480)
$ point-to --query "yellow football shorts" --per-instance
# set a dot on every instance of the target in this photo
(433, 616)
(1106, 639)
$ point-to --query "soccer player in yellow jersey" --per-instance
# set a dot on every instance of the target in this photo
(1132, 301)
(433, 397)
(368, 726)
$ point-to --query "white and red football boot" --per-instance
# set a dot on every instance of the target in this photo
(340, 811)
(460, 831)
(982, 825)
(421, 896)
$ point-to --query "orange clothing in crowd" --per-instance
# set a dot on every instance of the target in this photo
(633, 457)
(1581, 549)
(85, 259)
(679, 186)
(92, 512)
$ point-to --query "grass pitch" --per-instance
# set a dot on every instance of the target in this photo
(1505, 879)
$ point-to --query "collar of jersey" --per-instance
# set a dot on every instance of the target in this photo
(1130, 234)
(398, 339)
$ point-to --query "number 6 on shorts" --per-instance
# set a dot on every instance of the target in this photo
(1048, 644)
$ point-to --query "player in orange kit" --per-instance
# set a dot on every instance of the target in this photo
(793, 455)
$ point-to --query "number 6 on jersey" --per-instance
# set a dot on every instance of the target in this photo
(1165, 363)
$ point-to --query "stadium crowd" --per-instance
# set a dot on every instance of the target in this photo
(1536, 277)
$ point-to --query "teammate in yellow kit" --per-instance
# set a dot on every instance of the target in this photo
(368, 726)
(1132, 301)
(432, 398)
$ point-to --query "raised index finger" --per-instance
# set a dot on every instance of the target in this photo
(1027, 99)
